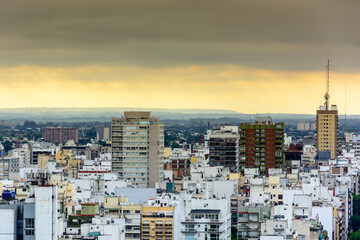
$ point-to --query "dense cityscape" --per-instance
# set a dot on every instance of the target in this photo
(179, 120)
(134, 178)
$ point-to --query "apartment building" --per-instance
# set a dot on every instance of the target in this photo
(261, 145)
(23, 154)
(224, 148)
(103, 134)
(119, 206)
(9, 167)
(206, 219)
(34, 218)
(61, 134)
(157, 223)
(138, 148)
(180, 161)
(327, 129)
(104, 228)
(250, 218)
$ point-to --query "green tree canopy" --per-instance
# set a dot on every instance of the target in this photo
(355, 235)
(355, 222)
(7, 146)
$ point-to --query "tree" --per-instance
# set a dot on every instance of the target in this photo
(233, 233)
(355, 222)
(7, 146)
(30, 124)
(355, 235)
(175, 145)
(356, 204)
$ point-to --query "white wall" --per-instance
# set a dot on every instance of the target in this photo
(45, 213)
(325, 215)
(7, 224)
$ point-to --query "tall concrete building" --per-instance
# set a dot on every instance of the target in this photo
(224, 148)
(327, 125)
(262, 145)
(137, 142)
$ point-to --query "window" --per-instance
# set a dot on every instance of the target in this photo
(189, 236)
(29, 222)
(29, 232)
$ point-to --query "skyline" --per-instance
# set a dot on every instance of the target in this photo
(249, 57)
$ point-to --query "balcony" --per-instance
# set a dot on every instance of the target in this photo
(253, 218)
(253, 234)
(189, 230)
(253, 225)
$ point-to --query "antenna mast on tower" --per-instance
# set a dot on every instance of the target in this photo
(327, 96)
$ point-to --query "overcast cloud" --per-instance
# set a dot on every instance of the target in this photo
(276, 34)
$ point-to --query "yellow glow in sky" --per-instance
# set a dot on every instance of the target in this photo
(205, 86)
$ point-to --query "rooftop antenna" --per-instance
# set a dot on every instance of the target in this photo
(327, 96)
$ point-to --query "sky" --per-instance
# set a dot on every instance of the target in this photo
(250, 56)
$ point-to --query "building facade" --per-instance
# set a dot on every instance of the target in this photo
(327, 128)
(261, 145)
(206, 219)
(103, 134)
(138, 148)
(8, 166)
(224, 148)
(157, 223)
(34, 218)
(180, 161)
(61, 134)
